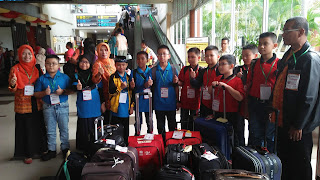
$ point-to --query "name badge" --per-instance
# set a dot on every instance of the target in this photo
(86, 94)
(164, 92)
(54, 98)
(191, 92)
(293, 79)
(29, 90)
(146, 91)
(215, 104)
(206, 94)
(265, 91)
(123, 98)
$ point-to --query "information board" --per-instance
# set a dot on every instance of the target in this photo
(96, 21)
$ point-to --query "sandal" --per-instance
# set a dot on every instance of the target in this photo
(27, 160)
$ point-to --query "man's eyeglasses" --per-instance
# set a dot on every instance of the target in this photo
(289, 30)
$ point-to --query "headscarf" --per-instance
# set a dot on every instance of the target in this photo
(85, 76)
(107, 62)
(23, 68)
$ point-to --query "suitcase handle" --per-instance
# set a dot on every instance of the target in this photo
(138, 127)
(101, 118)
(242, 175)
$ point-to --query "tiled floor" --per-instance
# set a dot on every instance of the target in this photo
(17, 170)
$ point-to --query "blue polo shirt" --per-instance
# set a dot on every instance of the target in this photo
(123, 109)
(59, 79)
(140, 79)
(164, 79)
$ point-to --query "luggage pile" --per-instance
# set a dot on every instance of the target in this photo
(184, 155)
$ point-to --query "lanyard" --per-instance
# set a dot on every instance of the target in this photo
(295, 59)
(163, 79)
(52, 84)
(86, 82)
(226, 83)
(269, 71)
(29, 77)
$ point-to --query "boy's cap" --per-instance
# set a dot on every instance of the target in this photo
(121, 59)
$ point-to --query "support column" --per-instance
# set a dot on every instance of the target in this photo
(265, 16)
(233, 24)
(213, 30)
(192, 23)
(168, 18)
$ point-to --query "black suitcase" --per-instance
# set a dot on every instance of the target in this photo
(202, 166)
(236, 174)
(174, 172)
(72, 167)
(109, 165)
(175, 155)
(257, 159)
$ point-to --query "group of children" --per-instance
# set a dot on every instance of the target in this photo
(247, 87)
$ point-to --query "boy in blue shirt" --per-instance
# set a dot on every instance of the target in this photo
(121, 96)
(165, 91)
(141, 82)
(52, 88)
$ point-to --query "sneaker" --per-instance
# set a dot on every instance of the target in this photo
(49, 155)
(64, 153)
(27, 160)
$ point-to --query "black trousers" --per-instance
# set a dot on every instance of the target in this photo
(204, 111)
(295, 156)
(125, 123)
(171, 117)
(85, 126)
(187, 118)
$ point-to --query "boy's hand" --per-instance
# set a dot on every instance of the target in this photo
(175, 79)
(239, 74)
(100, 70)
(13, 80)
(221, 84)
(178, 106)
(192, 73)
(79, 85)
(48, 90)
(103, 107)
(59, 91)
(149, 82)
(215, 83)
(131, 110)
(132, 84)
(123, 84)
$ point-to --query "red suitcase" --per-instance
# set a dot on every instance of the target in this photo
(150, 152)
(192, 139)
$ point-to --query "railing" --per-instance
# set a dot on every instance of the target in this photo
(162, 38)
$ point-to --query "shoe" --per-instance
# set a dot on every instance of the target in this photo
(49, 155)
(27, 160)
(64, 153)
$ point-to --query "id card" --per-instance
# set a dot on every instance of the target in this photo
(123, 98)
(177, 135)
(29, 90)
(191, 92)
(293, 79)
(215, 104)
(54, 98)
(86, 94)
(164, 92)
(265, 91)
(206, 94)
(146, 91)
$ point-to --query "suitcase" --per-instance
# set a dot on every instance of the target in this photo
(187, 138)
(109, 165)
(138, 127)
(175, 155)
(236, 174)
(258, 159)
(203, 166)
(72, 167)
(175, 172)
(217, 133)
(150, 152)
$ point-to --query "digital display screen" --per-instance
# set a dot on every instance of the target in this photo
(96, 21)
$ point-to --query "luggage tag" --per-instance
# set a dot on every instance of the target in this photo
(206, 94)
(148, 136)
(265, 91)
(191, 92)
(188, 134)
(187, 149)
(146, 91)
(121, 149)
(164, 92)
(29, 90)
(54, 98)
(86, 95)
(109, 141)
(209, 156)
(177, 135)
(215, 105)
(293, 79)
(123, 98)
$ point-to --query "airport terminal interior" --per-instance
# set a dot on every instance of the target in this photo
(179, 24)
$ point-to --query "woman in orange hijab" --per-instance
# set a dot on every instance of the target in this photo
(29, 125)
(101, 71)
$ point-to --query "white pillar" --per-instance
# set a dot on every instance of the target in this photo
(233, 24)
(304, 8)
(200, 23)
(181, 31)
(213, 30)
(265, 15)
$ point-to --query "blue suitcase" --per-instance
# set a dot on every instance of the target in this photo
(216, 134)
